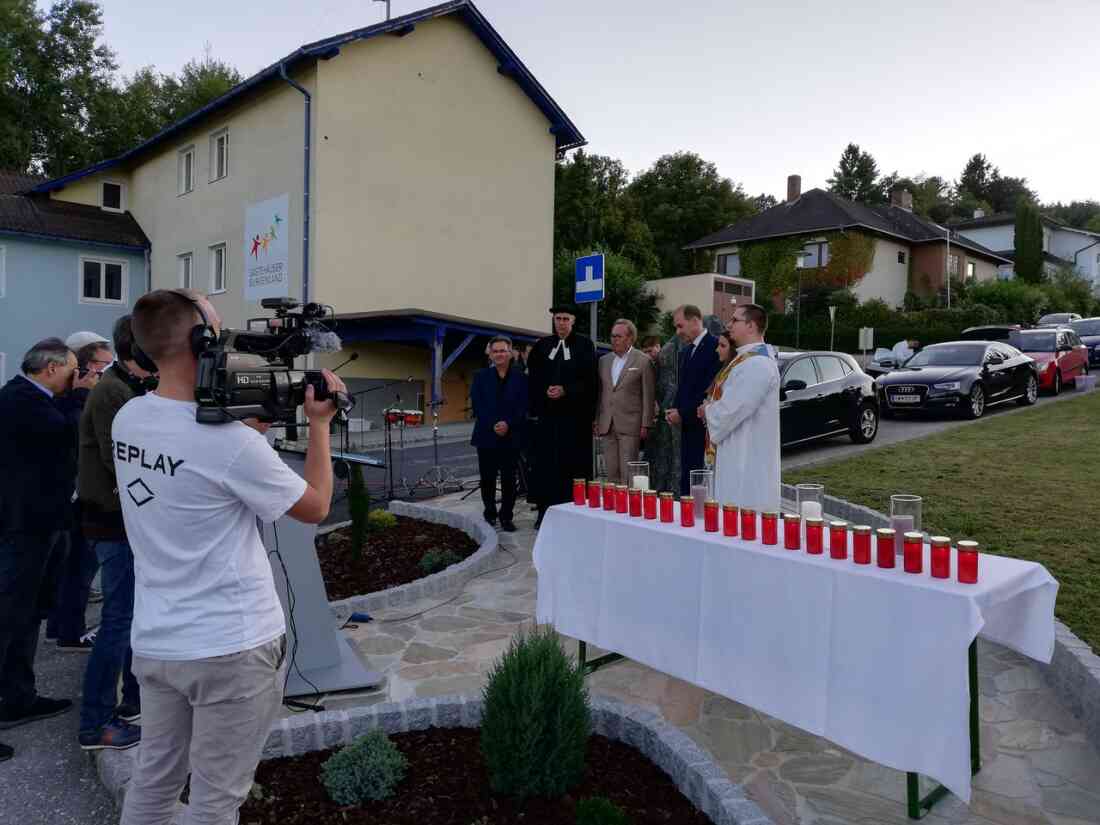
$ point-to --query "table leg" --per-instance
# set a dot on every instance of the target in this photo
(592, 666)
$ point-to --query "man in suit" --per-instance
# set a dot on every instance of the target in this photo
(698, 366)
(499, 401)
(626, 400)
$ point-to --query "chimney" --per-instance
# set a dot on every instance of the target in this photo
(902, 198)
(979, 213)
(794, 187)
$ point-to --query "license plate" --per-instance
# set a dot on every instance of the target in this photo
(905, 399)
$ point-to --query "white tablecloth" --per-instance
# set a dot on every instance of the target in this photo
(873, 660)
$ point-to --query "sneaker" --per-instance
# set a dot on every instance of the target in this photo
(82, 645)
(128, 712)
(116, 735)
(41, 708)
(6, 752)
(508, 526)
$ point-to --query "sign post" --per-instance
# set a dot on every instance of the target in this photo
(589, 285)
(832, 327)
(866, 339)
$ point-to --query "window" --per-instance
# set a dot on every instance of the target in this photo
(815, 255)
(830, 368)
(102, 281)
(729, 264)
(217, 268)
(186, 179)
(111, 196)
(953, 265)
(970, 271)
(185, 270)
(801, 370)
(219, 155)
(901, 256)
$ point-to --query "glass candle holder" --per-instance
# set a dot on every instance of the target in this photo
(710, 516)
(702, 487)
(884, 549)
(649, 504)
(838, 539)
(905, 516)
(687, 511)
(913, 548)
(621, 502)
(748, 524)
(609, 496)
(815, 536)
(966, 561)
(637, 475)
(580, 492)
(769, 528)
(792, 531)
(665, 500)
(730, 517)
(634, 499)
(941, 557)
(861, 544)
(594, 497)
(810, 500)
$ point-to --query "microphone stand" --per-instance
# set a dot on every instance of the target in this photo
(438, 476)
(388, 443)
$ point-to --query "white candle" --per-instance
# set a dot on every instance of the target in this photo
(903, 525)
(640, 482)
(811, 509)
(700, 493)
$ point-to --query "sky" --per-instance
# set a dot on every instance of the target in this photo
(763, 89)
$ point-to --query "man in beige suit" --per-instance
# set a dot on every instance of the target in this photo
(626, 400)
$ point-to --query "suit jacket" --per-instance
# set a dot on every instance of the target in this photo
(577, 376)
(492, 403)
(629, 404)
(696, 374)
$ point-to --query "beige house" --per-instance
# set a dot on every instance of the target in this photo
(712, 293)
(416, 158)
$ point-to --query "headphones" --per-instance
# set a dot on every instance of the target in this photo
(140, 386)
(201, 337)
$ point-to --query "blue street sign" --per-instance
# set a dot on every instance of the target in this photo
(589, 273)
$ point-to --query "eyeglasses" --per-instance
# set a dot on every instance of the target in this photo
(738, 321)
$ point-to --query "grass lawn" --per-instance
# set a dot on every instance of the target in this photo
(1023, 485)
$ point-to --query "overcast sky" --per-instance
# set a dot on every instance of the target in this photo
(764, 88)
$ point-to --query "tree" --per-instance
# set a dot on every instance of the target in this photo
(1077, 214)
(976, 177)
(1094, 224)
(931, 194)
(1029, 243)
(764, 202)
(201, 81)
(626, 292)
(856, 177)
(982, 181)
(20, 34)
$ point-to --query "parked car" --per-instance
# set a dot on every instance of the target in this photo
(1088, 330)
(962, 376)
(1058, 318)
(1058, 353)
(992, 332)
(824, 394)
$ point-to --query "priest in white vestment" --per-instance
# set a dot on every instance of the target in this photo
(741, 412)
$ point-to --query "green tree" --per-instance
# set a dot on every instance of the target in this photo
(1093, 224)
(984, 182)
(1029, 243)
(931, 194)
(201, 81)
(20, 36)
(626, 292)
(856, 176)
(977, 176)
(1078, 214)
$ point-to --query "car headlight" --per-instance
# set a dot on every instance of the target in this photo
(947, 385)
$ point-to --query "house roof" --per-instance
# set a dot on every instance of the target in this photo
(12, 182)
(1005, 218)
(41, 217)
(566, 134)
(820, 211)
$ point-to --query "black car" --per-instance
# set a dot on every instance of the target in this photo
(962, 376)
(823, 394)
(1088, 330)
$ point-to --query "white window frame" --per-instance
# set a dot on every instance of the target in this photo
(182, 187)
(123, 298)
(3, 273)
(190, 258)
(224, 247)
(121, 196)
(214, 138)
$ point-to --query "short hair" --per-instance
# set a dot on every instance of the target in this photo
(631, 330)
(162, 322)
(756, 314)
(123, 336)
(86, 353)
(689, 311)
(45, 352)
(651, 341)
(500, 339)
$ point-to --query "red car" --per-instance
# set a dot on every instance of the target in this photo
(1059, 354)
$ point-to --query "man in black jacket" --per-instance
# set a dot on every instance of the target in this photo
(698, 365)
(37, 474)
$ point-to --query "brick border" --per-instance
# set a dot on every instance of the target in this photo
(485, 558)
(694, 771)
(1074, 670)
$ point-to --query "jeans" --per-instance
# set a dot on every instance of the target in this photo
(492, 461)
(111, 654)
(66, 620)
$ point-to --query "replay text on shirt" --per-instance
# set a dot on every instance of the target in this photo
(132, 454)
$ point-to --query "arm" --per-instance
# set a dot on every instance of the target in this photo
(313, 506)
(756, 380)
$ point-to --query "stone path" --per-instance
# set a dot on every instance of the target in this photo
(1038, 766)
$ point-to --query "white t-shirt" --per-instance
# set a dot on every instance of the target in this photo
(190, 496)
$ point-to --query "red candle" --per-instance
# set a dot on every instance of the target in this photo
(621, 503)
(748, 524)
(885, 550)
(634, 498)
(792, 531)
(729, 519)
(966, 553)
(769, 528)
(609, 496)
(815, 536)
(666, 507)
(913, 552)
(861, 544)
(941, 557)
(838, 539)
(594, 494)
(687, 511)
(579, 497)
(710, 516)
(649, 504)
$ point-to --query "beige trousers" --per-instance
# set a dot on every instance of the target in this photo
(618, 449)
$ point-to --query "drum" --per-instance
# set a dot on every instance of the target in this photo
(394, 416)
(413, 418)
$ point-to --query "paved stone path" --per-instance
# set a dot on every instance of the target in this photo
(1038, 766)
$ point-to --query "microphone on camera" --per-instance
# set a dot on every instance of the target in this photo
(354, 355)
(324, 341)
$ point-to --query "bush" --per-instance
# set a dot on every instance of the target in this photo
(379, 520)
(368, 769)
(536, 720)
(435, 560)
(599, 810)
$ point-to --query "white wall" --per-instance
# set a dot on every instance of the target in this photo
(997, 238)
(1064, 243)
(888, 279)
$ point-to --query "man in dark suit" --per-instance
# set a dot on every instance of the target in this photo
(698, 366)
(499, 401)
(37, 476)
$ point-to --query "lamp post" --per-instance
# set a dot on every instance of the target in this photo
(798, 259)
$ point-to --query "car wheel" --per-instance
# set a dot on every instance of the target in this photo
(975, 407)
(1057, 383)
(1031, 392)
(866, 425)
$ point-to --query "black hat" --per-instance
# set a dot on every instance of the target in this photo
(564, 307)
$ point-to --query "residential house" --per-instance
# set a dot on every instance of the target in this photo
(713, 293)
(402, 173)
(1063, 246)
(64, 267)
(911, 253)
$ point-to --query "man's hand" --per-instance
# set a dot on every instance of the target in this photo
(501, 428)
(673, 416)
(90, 379)
(555, 392)
(259, 426)
(322, 412)
(701, 412)
(644, 434)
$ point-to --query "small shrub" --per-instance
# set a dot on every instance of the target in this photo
(435, 560)
(379, 520)
(536, 720)
(599, 810)
(368, 769)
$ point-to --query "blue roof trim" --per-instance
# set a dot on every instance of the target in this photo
(566, 133)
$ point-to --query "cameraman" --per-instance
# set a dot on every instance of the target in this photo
(209, 650)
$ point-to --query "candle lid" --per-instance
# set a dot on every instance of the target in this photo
(791, 517)
(814, 521)
(710, 501)
(838, 525)
(608, 484)
(665, 495)
(913, 535)
(768, 514)
(748, 511)
(966, 544)
(578, 481)
(620, 487)
(941, 540)
(729, 508)
(862, 528)
(886, 531)
(649, 493)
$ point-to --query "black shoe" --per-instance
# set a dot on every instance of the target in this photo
(41, 708)
(6, 752)
(128, 712)
(507, 526)
(491, 521)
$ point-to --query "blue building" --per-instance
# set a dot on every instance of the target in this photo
(64, 267)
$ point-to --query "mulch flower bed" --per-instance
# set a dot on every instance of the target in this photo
(391, 557)
(447, 784)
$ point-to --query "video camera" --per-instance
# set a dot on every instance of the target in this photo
(249, 373)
